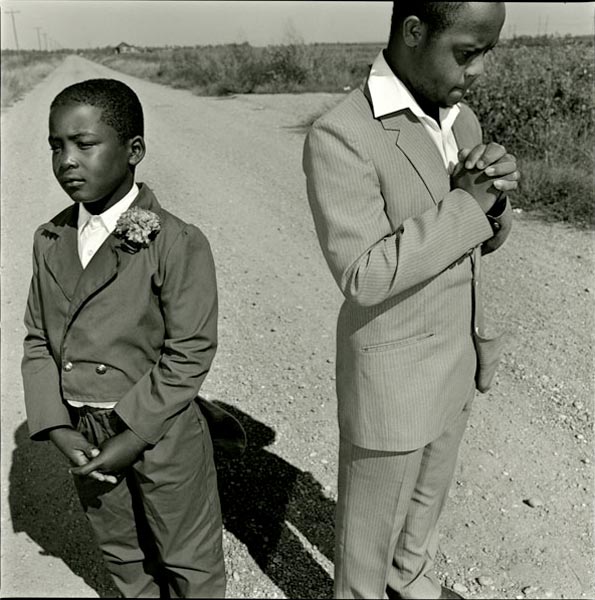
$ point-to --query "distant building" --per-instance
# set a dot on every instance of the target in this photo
(124, 48)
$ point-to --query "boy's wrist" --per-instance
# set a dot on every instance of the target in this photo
(59, 431)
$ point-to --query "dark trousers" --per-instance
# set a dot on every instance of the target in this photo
(160, 526)
(388, 508)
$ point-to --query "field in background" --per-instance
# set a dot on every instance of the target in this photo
(245, 69)
(536, 99)
(22, 70)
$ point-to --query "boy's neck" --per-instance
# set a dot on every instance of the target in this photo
(400, 68)
(100, 206)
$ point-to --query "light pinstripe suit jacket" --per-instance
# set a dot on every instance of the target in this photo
(397, 240)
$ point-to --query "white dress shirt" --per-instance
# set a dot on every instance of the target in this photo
(93, 230)
(389, 94)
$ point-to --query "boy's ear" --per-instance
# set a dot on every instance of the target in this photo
(413, 31)
(136, 149)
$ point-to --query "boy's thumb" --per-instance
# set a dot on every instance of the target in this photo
(84, 469)
(92, 452)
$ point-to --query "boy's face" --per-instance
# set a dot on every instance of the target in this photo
(89, 160)
(447, 63)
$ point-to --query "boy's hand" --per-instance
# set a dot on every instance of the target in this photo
(476, 183)
(495, 162)
(78, 450)
(117, 453)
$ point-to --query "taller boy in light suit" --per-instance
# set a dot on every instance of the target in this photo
(402, 224)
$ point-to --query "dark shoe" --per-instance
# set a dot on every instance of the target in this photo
(448, 593)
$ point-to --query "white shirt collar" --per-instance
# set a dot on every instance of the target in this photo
(389, 94)
(110, 217)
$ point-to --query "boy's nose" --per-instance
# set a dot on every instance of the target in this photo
(68, 160)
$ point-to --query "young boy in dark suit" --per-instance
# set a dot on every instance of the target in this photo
(121, 331)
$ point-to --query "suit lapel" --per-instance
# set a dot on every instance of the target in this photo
(412, 139)
(63, 262)
(418, 147)
(107, 261)
(100, 271)
(62, 258)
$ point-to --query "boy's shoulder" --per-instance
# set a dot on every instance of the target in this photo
(351, 111)
(53, 229)
(172, 225)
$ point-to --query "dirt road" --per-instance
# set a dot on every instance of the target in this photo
(233, 166)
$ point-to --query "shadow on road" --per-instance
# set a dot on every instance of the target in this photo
(44, 505)
(260, 493)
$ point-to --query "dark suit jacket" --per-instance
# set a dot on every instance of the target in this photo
(398, 242)
(137, 328)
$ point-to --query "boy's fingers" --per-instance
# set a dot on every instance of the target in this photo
(474, 156)
(505, 185)
(91, 451)
(502, 168)
(86, 469)
(463, 154)
(103, 477)
(79, 458)
(93, 474)
(492, 153)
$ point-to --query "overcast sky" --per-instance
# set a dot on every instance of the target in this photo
(92, 23)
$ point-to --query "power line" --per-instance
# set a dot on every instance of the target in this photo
(12, 13)
(38, 37)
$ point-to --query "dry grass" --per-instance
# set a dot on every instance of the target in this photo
(21, 71)
(536, 98)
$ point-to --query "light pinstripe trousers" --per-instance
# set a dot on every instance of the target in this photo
(387, 515)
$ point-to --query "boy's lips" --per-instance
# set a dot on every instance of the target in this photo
(72, 182)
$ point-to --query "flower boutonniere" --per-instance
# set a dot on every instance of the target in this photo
(136, 227)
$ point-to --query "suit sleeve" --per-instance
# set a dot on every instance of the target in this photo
(41, 377)
(370, 260)
(189, 305)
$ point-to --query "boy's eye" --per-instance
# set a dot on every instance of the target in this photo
(85, 145)
(468, 55)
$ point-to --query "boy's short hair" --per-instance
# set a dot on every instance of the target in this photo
(438, 16)
(120, 107)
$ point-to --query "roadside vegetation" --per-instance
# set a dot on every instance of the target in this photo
(22, 70)
(536, 99)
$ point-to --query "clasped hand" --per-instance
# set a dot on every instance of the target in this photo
(484, 172)
(114, 455)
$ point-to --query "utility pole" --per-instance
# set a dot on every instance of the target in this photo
(38, 37)
(12, 13)
(45, 39)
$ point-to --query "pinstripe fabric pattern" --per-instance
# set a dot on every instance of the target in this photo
(389, 505)
(397, 242)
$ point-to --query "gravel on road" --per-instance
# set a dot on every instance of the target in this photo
(519, 521)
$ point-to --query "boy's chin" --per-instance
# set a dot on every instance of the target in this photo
(80, 197)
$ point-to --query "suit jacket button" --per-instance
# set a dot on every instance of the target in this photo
(68, 366)
(100, 369)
